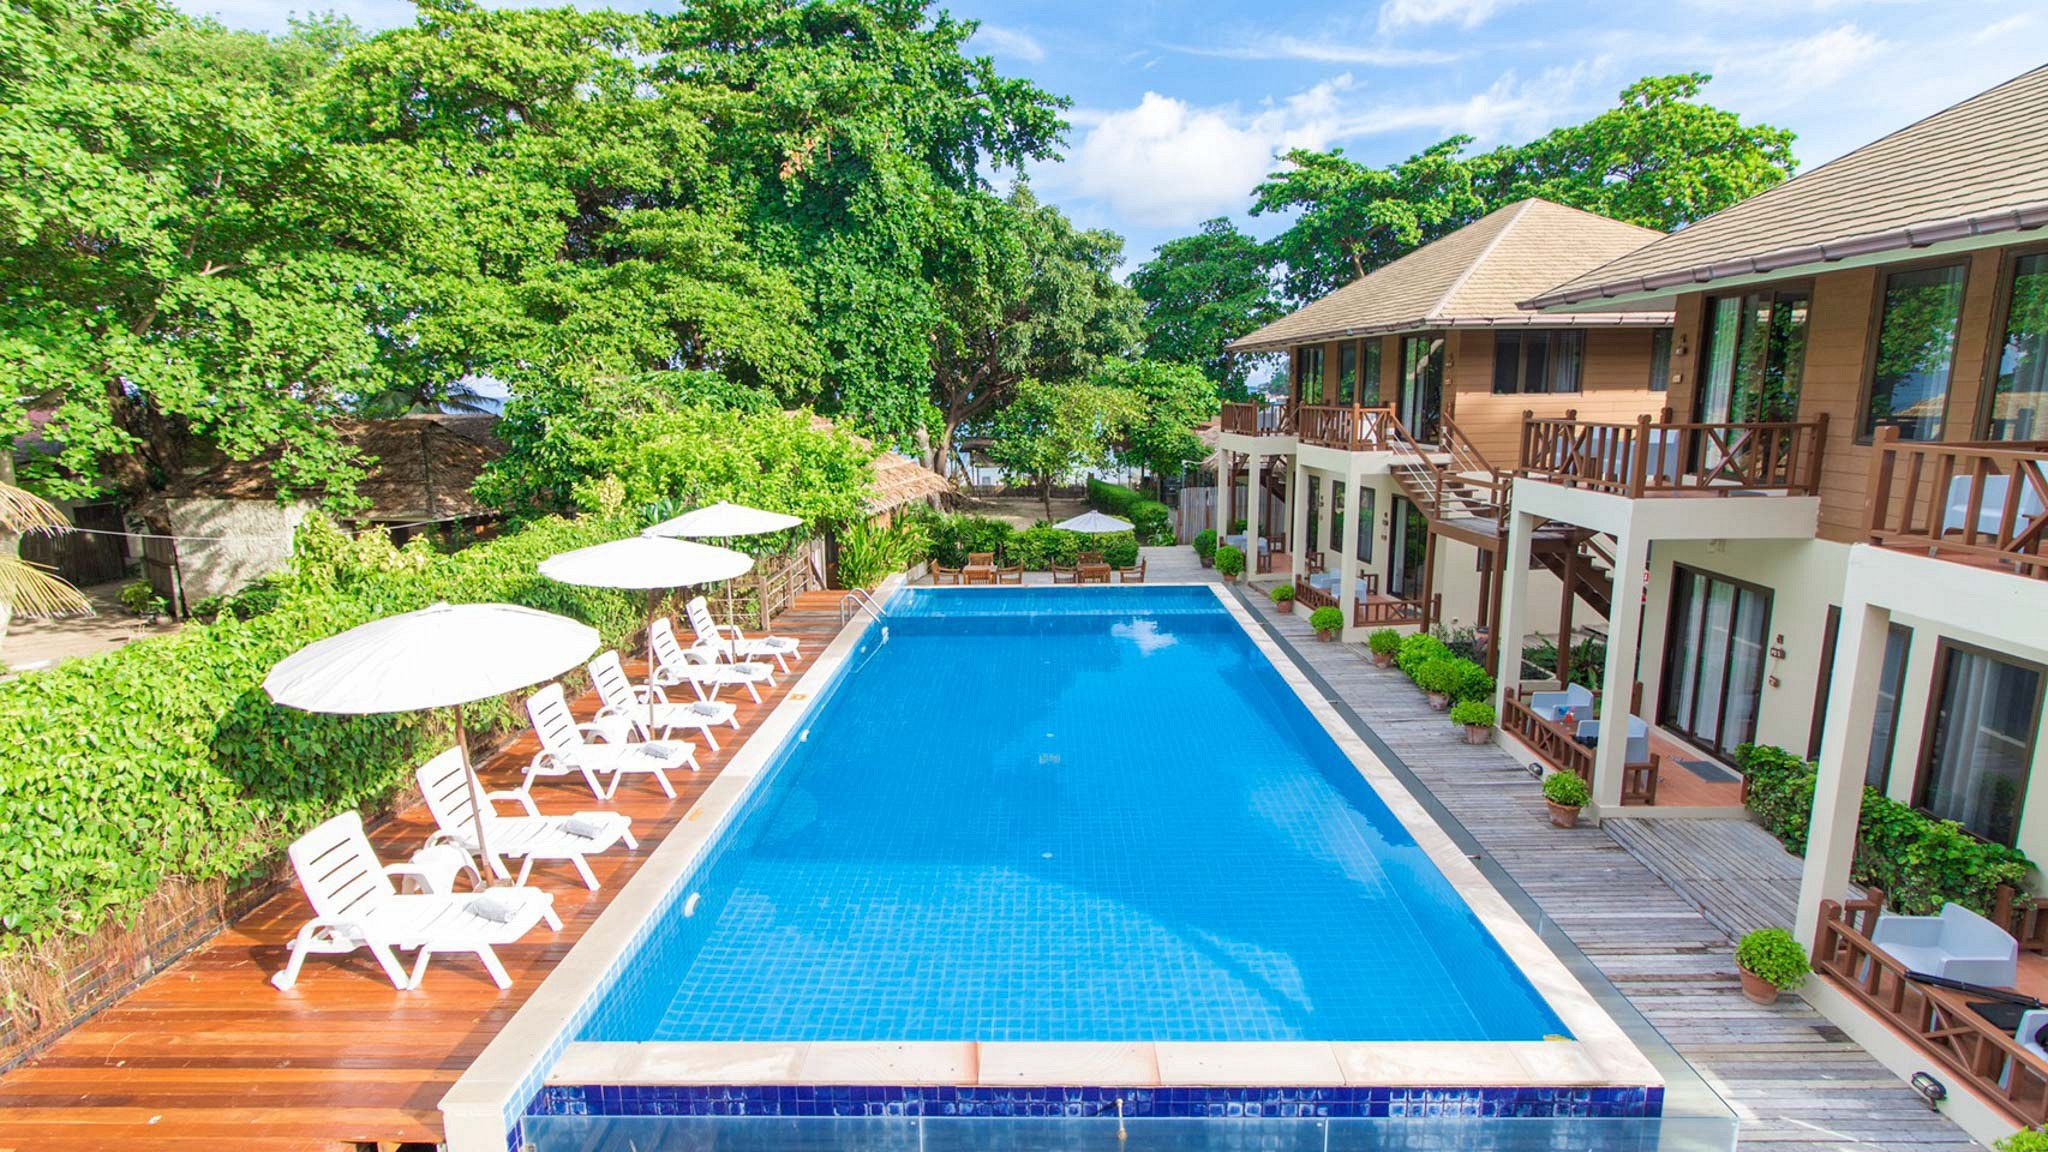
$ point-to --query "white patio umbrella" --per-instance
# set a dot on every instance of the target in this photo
(1094, 524)
(723, 520)
(650, 563)
(439, 657)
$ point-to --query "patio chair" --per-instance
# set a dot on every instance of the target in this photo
(1134, 574)
(356, 906)
(1554, 705)
(1086, 558)
(1064, 574)
(1958, 944)
(444, 785)
(563, 748)
(735, 642)
(1638, 750)
(1991, 506)
(944, 575)
(2032, 1023)
(980, 569)
(1014, 574)
(704, 671)
(646, 710)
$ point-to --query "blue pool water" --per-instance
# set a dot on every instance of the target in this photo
(1067, 814)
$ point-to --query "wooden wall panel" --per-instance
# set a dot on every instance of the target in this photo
(1613, 385)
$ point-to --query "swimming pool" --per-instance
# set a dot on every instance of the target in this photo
(1062, 814)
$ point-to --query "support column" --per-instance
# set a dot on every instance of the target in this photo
(1347, 547)
(1326, 512)
(1226, 487)
(1297, 523)
(1624, 636)
(1514, 590)
(1844, 750)
(1564, 610)
(1428, 575)
(1254, 503)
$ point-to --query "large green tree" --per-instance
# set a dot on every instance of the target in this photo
(1047, 431)
(1660, 158)
(1167, 402)
(1200, 293)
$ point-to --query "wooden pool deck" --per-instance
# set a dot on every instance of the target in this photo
(207, 1055)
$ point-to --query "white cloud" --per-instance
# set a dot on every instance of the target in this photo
(1800, 66)
(1012, 42)
(1463, 13)
(1267, 46)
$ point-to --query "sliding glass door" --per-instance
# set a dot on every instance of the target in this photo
(1987, 713)
(1714, 660)
(1422, 386)
(1755, 358)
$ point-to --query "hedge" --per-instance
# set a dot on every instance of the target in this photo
(1150, 520)
(1920, 862)
(164, 759)
(1037, 548)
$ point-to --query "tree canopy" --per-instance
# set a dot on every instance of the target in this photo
(1203, 291)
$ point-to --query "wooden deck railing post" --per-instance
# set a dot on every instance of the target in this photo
(1877, 493)
(1639, 462)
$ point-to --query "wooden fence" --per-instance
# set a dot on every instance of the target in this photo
(1559, 747)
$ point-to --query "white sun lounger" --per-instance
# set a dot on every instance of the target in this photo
(628, 704)
(356, 906)
(729, 639)
(563, 748)
(528, 838)
(700, 667)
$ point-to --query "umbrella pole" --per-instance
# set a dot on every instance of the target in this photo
(476, 799)
(647, 638)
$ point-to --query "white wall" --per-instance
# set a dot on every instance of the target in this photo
(246, 540)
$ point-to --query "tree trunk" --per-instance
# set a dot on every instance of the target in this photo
(1045, 496)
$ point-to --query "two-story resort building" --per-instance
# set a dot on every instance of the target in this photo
(1837, 541)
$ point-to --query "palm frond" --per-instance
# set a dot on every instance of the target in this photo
(30, 590)
(24, 511)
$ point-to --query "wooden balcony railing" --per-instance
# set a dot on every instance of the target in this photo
(1351, 427)
(1393, 612)
(1558, 746)
(1258, 419)
(1983, 503)
(1652, 458)
(1938, 1020)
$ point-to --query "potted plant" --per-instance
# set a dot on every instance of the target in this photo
(1770, 961)
(1565, 794)
(1439, 678)
(2025, 1140)
(1385, 644)
(1476, 717)
(1205, 547)
(142, 600)
(1229, 563)
(1327, 621)
(1283, 597)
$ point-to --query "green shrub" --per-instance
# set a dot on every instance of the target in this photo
(1205, 544)
(1920, 862)
(1040, 547)
(164, 759)
(1283, 594)
(1772, 953)
(142, 599)
(1478, 713)
(1384, 642)
(953, 537)
(2030, 1140)
(869, 551)
(1230, 561)
(1472, 683)
(1151, 521)
(1439, 676)
(1326, 619)
(1566, 790)
(1417, 650)
(1239, 525)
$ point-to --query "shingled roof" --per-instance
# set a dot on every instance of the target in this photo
(422, 470)
(1974, 169)
(1475, 277)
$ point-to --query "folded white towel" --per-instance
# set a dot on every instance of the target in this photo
(588, 825)
(500, 904)
(657, 749)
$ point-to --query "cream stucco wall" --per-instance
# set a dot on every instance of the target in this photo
(235, 542)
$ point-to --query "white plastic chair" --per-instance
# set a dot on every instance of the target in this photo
(1957, 944)
(563, 748)
(444, 784)
(647, 710)
(356, 906)
(703, 669)
(729, 639)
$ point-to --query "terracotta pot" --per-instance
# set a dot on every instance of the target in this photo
(1326, 637)
(1439, 701)
(1285, 605)
(1478, 733)
(1757, 988)
(1383, 659)
(1561, 816)
(1207, 561)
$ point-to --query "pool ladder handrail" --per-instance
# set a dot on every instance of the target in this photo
(856, 601)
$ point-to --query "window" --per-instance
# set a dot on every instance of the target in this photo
(1368, 372)
(1982, 741)
(1537, 361)
(1347, 372)
(1916, 348)
(1422, 386)
(1884, 721)
(1754, 358)
(1714, 660)
(1660, 360)
(2019, 394)
(1367, 499)
(1308, 374)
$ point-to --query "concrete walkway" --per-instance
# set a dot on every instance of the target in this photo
(1796, 1082)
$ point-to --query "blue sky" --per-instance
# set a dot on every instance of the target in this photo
(1179, 108)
